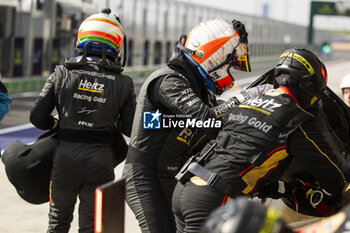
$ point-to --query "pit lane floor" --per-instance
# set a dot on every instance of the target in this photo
(19, 216)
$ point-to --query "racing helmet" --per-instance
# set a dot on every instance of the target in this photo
(345, 82)
(106, 33)
(217, 48)
(302, 68)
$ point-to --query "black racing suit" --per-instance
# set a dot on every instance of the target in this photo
(176, 89)
(259, 139)
(89, 100)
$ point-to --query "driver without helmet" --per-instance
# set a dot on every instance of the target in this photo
(345, 88)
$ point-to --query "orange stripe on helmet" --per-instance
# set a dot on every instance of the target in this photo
(115, 38)
(210, 48)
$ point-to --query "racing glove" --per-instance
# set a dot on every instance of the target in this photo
(249, 93)
(245, 95)
(252, 92)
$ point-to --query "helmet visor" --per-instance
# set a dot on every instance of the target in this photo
(241, 63)
(237, 62)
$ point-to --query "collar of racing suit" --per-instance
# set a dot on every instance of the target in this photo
(182, 65)
(310, 110)
(95, 61)
(289, 92)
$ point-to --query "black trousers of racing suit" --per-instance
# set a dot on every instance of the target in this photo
(143, 182)
(194, 200)
(191, 212)
(78, 168)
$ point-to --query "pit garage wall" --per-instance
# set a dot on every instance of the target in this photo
(152, 28)
(154, 24)
(7, 25)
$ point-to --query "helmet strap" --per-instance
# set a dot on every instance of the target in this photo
(181, 45)
(229, 59)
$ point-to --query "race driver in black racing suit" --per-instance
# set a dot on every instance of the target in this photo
(200, 65)
(259, 139)
(91, 96)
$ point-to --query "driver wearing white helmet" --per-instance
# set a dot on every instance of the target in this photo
(345, 88)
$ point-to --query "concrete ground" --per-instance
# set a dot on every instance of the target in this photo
(17, 215)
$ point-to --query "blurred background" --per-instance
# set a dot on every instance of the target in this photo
(36, 35)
